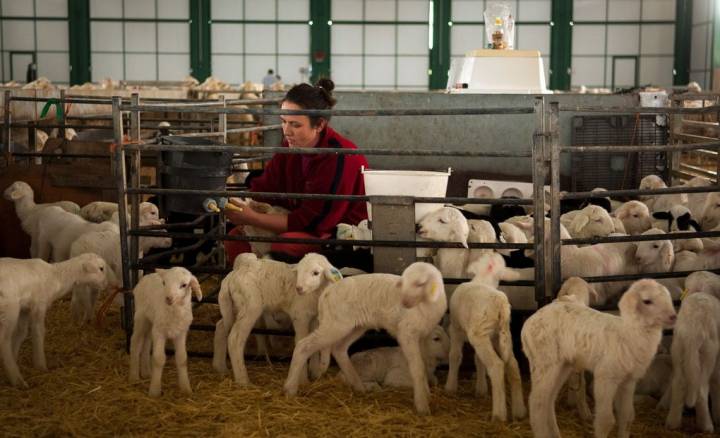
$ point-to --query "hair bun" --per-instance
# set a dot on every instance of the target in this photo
(326, 84)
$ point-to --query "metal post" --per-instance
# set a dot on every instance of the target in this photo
(121, 185)
(7, 130)
(135, 165)
(555, 242)
(393, 219)
(222, 127)
(61, 111)
(539, 174)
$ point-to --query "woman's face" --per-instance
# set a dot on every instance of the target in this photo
(297, 129)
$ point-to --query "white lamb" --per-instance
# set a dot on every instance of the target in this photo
(577, 290)
(386, 366)
(565, 336)
(447, 224)
(658, 256)
(58, 229)
(103, 211)
(163, 310)
(257, 286)
(27, 289)
(591, 221)
(635, 217)
(261, 248)
(696, 201)
(361, 231)
(106, 244)
(480, 314)
(480, 231)
(696, 353)
(21, 194)
(711, 212)
(660, 202)
(409, 307)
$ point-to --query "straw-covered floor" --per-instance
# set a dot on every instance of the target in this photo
(86, 393)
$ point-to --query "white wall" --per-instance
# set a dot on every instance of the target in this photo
(702, 42)
(607, 33)
(380, 44)
(245, 45)
(154, 44)
(38, 26)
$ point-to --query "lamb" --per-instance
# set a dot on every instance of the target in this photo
(696, 353)
(58, 229)
(657, 256)
(577, 290)
(361, 231)
(564, 336)
(409, 307)
(481, 314)
(711, 212)
(591, 221)
(447, 224)
(660, 202)
(696, 201)
(479, 231)
(257, 286)
(107, 245)
(27, 289)
(104, 211)
(21, 194)
(635, 217)
(387, 366)
(163, 310)
(261, 249)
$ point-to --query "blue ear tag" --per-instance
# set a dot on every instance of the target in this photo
(335, 275)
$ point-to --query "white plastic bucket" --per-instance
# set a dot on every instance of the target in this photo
(406, 183)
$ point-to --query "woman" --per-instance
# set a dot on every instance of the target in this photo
(311, 173)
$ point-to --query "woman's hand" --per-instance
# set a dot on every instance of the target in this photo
(247, 216)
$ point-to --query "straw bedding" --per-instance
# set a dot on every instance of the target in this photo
(86, 393)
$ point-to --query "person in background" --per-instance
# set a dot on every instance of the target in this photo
(308, 173)
(269, 79)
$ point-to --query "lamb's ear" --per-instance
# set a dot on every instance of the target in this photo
(508, 274)
(579, 222)
(433, 291)
(593, 294)
(398, 283)
(667, 255)
(15, 195)
(195, 286)
(662, 215)
(333, 274)
(693, 223)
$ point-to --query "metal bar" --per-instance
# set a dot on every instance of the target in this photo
(204, 134)
(7, 130)
(683, 41)
(342, 242)
(636, 192)
(539, 175)
(45, 154)
(654, 148)
(695, 138)
(338, 151)
(61, 108)
(68, 100)
(555, 244)
(121, 182)
(254, 129)
(642, 238)
(135, 165)
(699, 124)
(277, 195)
(706, 95)
(636, 110)
(222, 123)
(339, 112)
(231, 102)
(631, 277)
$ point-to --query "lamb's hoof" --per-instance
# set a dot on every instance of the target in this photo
(154, 392)
(20, 383)
(519, 413)
(672, 425)
(186, 391)
(290, 390)
(372, 386)
(423, 410)
(450, 390)
(499, 418)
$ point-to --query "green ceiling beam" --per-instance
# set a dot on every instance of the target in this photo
(441, 11)
(200, 44)
(320, 44)
(561, 44)
(683, 42)
(79, 41)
